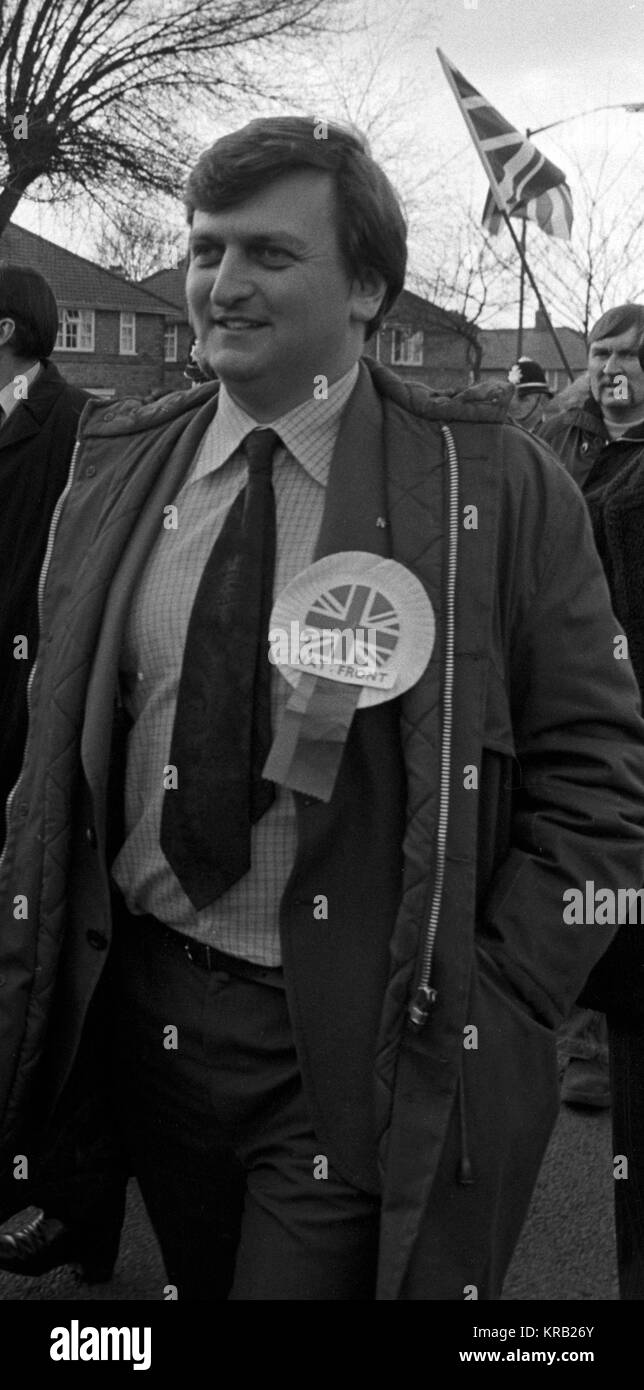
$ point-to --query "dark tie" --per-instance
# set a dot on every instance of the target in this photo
(222, 727)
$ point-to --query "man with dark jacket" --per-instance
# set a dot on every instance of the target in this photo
(39, 414)
(314, 911)
(602, 444)
(595, 440)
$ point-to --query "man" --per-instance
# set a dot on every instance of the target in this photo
(531, 391)
(331, 1031)
(596, 438)
(593, 432)
(602, 444)
(39, 414)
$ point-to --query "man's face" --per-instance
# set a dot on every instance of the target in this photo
(616, 378)
(270, 299)
(527, 408)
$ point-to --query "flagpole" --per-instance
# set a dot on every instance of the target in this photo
(524, 225)
(527, 271)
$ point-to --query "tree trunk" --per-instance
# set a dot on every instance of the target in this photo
(9, 199)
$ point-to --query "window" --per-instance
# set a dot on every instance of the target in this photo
(127, 341)
(170, 343)
(406, 348)
(76, 330)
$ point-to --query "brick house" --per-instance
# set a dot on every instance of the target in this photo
(115, 337)
(422, 342)
(500, 351)
(170, 286)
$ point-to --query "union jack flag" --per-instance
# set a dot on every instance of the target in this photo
(358, 608)
(523, 182)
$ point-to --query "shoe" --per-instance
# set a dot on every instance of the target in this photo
(585, 1082)
(44, 1243)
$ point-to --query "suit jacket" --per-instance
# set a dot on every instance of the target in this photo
(523, 777)
(36, 443)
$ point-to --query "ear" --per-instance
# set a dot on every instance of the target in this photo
(367, 294)
(7, 330)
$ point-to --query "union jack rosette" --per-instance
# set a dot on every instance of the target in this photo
(356, 619)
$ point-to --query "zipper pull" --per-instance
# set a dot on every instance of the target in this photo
(424, 1000)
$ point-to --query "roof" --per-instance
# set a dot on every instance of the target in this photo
(409, 302)
(75, 281)
(500, 348)
(171, 284)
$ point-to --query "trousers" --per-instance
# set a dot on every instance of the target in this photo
(627, 1088)
(244, 1202)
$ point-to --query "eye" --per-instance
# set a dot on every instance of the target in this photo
(205, 254)
(274, 255)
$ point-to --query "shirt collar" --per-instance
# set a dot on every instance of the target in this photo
(8, 398)
(309, 431)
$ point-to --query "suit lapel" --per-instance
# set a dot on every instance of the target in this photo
(31, 412)
(18, 426)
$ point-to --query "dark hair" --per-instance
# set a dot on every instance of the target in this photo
(372, 232)
(26, 298)
(619, 320)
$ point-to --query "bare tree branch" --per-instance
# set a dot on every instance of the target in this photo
(84, 84)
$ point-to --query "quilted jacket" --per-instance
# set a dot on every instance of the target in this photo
(524, 763)
(579, 439)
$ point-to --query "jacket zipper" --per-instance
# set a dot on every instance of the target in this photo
(50, 542)
(41, 590)
(425, 995)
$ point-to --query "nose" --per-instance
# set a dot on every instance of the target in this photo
(611, 365)
(232, 279)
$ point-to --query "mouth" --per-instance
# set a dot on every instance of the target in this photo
(233, 324)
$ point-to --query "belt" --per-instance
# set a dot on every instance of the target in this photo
(211, 959)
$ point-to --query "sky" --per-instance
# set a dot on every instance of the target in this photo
(537, 61)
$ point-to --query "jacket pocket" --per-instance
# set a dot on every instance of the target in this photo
(493, 978)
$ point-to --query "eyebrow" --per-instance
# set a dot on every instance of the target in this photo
(207, 239)
(621, 352)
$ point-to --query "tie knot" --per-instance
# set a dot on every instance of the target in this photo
(259, 447)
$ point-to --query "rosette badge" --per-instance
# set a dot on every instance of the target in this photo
(350, 631)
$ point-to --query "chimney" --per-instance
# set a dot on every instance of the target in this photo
(540, 321)
(118, 270)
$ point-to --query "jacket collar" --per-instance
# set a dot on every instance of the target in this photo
(588, 417)
(484, 401)
(29, 416)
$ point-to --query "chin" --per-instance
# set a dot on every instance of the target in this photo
(233, 366)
